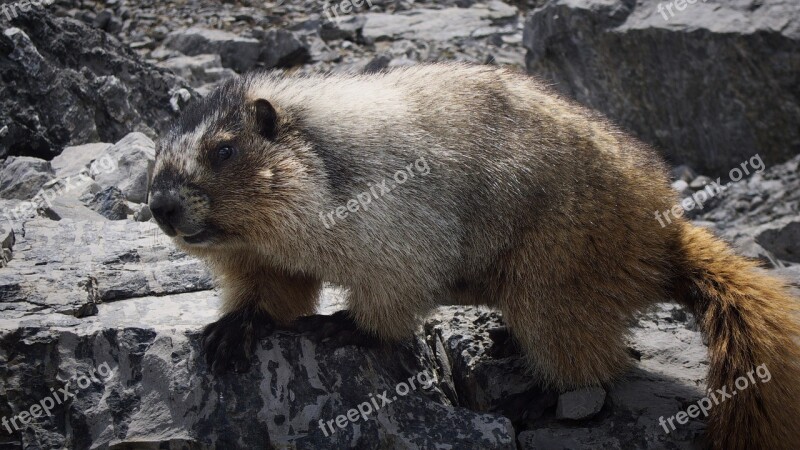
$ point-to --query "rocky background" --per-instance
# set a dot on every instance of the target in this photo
(96, 301)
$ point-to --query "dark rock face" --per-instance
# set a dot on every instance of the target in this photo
(66, 83)
(710, 87)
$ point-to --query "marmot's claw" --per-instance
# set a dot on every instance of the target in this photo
(229, 342)
(504, 344)
(339, 330)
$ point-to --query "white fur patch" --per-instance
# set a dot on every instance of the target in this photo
(184, 155)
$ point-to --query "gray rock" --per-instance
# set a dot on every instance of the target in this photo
(436, 24)
(568, 439)
(238, 53)
(748, 247)
(683, 172)
(580, 404)
(48, 101)
(69, 267)
(143, 214)
(131, 164)
(764, 202)
(349, 28)
(281, 48)
(462, 346)
(21, 177)
(106, 21)
(782, 239)
(682, 188)
(74, 159)
(700, 182)
(378, 63)
(7, 240)
(69, 207)
(153, 387)
(110, 203)
(199, 69)
(621, 58)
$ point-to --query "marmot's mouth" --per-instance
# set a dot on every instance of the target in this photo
(199, 238)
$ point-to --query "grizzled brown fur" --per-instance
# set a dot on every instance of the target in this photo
(533, 205)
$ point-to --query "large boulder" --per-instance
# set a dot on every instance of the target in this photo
(22, 177)
(65, 83)
(710, 85)
(130, 164)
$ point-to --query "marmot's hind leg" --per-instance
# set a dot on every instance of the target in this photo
(566, 345)
(568, 312)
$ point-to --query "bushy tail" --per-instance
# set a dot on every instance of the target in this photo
(750, 321)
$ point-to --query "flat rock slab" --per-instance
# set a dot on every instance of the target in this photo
(436, 24)
(70, 266)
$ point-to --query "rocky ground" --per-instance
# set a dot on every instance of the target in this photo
(95, 298)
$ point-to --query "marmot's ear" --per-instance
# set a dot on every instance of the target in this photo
(266, 119)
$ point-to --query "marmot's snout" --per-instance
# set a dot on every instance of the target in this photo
(181, 210)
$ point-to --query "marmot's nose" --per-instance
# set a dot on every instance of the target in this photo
(166, 209)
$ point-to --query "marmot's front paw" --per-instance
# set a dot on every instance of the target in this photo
(339, 330)
(503, 343)
(230, 341)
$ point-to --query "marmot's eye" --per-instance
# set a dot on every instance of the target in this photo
(224, 152)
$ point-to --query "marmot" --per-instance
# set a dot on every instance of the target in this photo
(531, 204)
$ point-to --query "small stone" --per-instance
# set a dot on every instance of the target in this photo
(682, 188)
(700, 182)
(144, 214)
(580, 404)
(683, 172)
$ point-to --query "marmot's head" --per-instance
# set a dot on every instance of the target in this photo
(230, 168)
